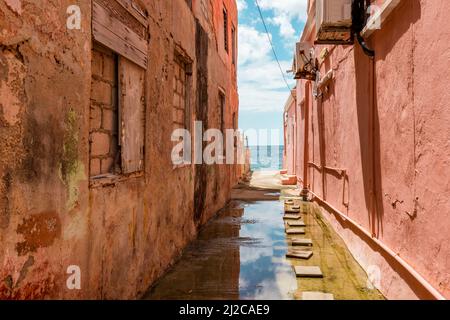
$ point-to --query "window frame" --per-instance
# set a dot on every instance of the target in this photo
(117, 92)
(233, 44)
(225, 30)
(114, 107)
(181, 59)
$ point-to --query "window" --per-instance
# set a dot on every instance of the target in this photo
(105, 155)
(116, 120)
(225, 28)
(222, 111)
(121, 29)
(233, 44)
(235, 127)
(132, 115)
(117, 113)
(181, 107)
(181, 93)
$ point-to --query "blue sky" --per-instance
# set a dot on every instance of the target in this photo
(262, 90)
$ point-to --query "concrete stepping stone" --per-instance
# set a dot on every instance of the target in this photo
(292, 209)
(302, 242)
(308, 272)
(298, 223)
(317, 296)
(295, 231)
(296, 254)
(290, 216)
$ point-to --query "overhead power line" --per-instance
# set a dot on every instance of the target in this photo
(272, 46)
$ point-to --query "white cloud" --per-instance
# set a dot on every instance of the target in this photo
(253, 45)
(241, 5)
(285, 12)
(261, 85)
(283, 21)
(293, 8)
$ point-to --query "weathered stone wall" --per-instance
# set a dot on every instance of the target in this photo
(125, 232)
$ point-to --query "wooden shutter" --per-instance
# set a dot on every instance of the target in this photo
(120, 26)
(132, 115)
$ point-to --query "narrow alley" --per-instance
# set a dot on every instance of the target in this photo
(242, 253)
(224, 149)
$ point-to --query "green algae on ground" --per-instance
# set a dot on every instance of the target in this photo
(343, 276)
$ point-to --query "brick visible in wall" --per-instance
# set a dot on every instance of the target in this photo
(100, 144)
(103, 129)
(181, 93)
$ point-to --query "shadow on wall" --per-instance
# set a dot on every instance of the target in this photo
(328, 94)
(201, 171)
(369, 138)
(400, 22)
(367, 108)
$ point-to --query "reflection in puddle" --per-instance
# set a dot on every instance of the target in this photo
(241, 255)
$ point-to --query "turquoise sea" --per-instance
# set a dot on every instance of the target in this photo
(267, 158)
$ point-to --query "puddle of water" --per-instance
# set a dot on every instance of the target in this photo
(241, 255)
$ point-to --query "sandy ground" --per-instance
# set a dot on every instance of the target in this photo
(262, 186)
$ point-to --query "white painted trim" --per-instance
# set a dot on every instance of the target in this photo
(381, 16)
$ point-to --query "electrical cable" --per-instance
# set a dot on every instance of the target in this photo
(273, 48)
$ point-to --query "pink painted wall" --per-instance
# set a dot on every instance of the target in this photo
(387, 124)
(290, 137)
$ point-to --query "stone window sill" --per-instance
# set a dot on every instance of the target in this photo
(181, 166)
(108, 180)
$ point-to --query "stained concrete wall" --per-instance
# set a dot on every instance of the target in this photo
(124, 233)
(379, 146)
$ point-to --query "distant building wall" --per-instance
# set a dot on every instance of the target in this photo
(67, 196)
(378, 145)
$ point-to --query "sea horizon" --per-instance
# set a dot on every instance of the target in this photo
(266, 157)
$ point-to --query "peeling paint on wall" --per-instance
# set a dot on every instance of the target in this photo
(38, 231)
(11, 88)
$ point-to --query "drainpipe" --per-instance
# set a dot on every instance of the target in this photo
(369, 52)
(426, 285)
(359, 18)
